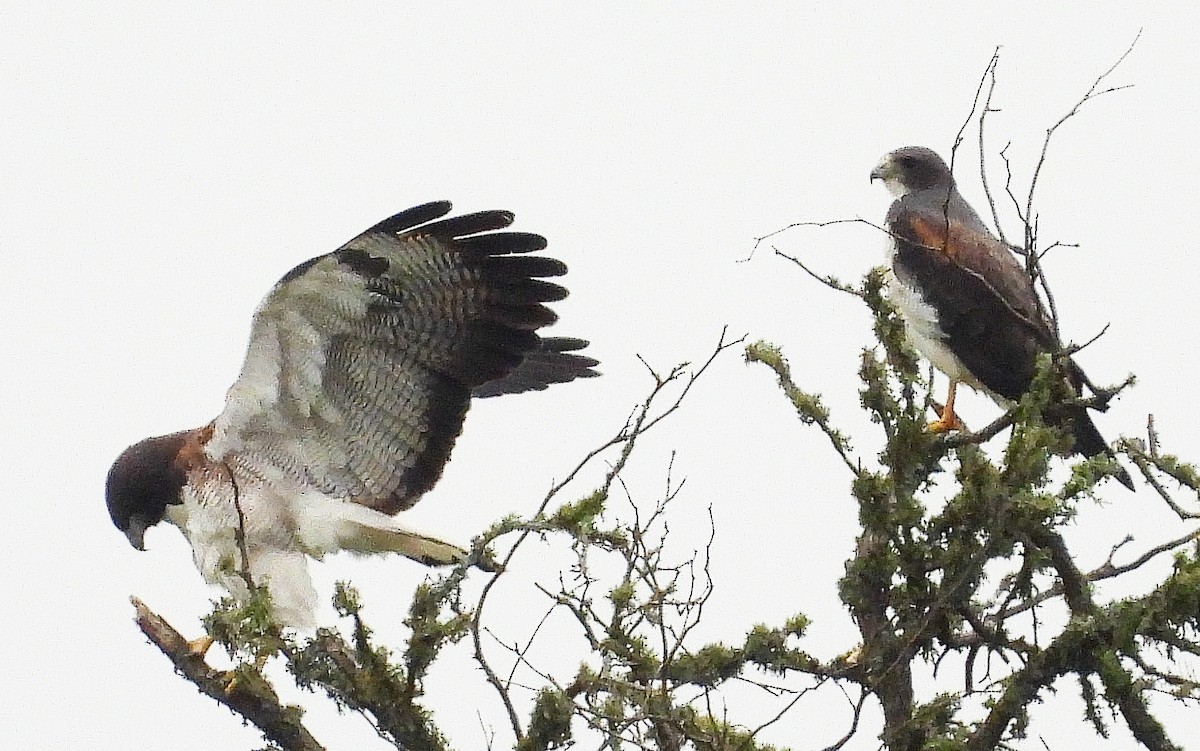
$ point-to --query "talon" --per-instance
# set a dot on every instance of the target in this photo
(943, 426)
(199, 646)
(947, 421)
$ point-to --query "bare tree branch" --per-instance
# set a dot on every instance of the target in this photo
(1092, 93)
(829, 281)
(643, 420)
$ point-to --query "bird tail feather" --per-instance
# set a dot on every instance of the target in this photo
(1088, 440)
(326, 526)
(407, 542)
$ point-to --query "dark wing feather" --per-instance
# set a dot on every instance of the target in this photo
(470, 224)
(504, 243)
(555, 361)
(409, 218)
(362, 362)
(986, 307)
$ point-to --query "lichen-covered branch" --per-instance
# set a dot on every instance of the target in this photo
(242, 691)
(365, 678)
(959, 560)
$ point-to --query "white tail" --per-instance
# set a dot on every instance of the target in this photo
(326, 525)
(396, 539)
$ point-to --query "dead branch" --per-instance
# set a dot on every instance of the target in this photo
(644, 419)
(253, 699)
(1093, 92)
(760, 240)
(1105, 571)
(829, 280)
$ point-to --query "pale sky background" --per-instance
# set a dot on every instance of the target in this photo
(161, 165)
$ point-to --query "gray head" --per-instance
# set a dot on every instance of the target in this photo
(143, 481)
(912, 168)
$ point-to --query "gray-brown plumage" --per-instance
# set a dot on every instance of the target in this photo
(968, 305)
(360, 369)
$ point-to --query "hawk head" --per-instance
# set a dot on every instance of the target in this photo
(910, 169)
(143, 481)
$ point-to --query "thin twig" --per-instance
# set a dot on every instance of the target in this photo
(1092, 93)
(829, 281)
(858, 707)
(643, 421)
(759, 240)
(1100, 573)
(990, 75)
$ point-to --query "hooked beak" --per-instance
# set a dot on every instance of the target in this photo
(882, 171)
(137, 532)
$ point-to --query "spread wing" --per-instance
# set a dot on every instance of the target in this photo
(362, 362)
(987, 309)
(554, 361)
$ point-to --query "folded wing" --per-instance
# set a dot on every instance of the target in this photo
(987, 308)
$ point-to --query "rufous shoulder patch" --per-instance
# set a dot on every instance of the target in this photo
(191, 454)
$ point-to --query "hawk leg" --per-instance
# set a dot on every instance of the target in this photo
(948, 421)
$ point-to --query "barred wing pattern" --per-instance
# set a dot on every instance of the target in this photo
(362, 362)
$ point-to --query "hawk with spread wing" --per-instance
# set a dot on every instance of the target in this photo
(968, 306)
(360, 369)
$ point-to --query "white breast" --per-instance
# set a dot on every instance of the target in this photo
(211, 516)
(921, 325)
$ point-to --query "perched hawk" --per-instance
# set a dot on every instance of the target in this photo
(360, 369)
(967, 304)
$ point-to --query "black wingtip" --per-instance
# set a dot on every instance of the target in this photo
(554, 361)
(1124, 478)
(409, 218)
(1089, 442)
(470, 224)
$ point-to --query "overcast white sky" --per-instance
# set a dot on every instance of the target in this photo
(161, 165)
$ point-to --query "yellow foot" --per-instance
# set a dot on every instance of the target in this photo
(200, 646)
(232, 685)
(943, 425)
(853, 657)
(947, 420)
